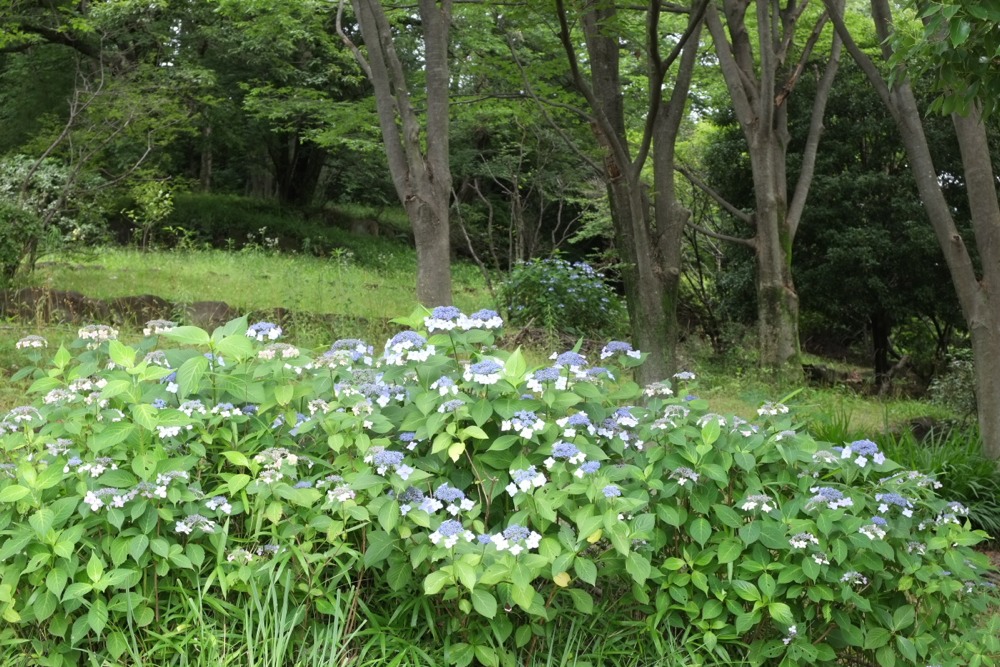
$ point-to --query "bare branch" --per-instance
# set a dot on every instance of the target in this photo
(750, 243)
(722, 201)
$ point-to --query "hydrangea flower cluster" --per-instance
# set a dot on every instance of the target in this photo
(279, 351)
(524, 422)
(487, 372)
(385, 460)
(261, 331)
(874, 530)
(577, 420)
(156, 327)
(683, 475)
(802, 540)
(832, 498)
(863, 450)
(756, 500)
(619, 347)
(565, 451)
(887, 500)
(273, 460)
(95, 334)
(407, 346)
(516, 539)
(442, 318)
(524, 480)
(451, 499)
(449, 532)
(552, 377)
(31, 342)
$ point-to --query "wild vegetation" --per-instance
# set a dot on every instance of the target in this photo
(205, 208)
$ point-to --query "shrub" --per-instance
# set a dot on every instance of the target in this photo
(954, 455)
(445, 471)
(20, 230)
(955, 388)
(561, 296)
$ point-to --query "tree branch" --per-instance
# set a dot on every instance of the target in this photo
(722, 201)
(750, 243)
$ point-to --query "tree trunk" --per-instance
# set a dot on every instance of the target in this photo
(777, 301)
(417, 152)
(977, 292)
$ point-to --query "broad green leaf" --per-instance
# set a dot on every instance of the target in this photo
(13, 493)
(145, 415)
(700, 530)
(585, 569)
(97, 617)
(729, 550)
(876, 638)
(121, 354)
(638, 566)
(435, 581)
(188, 335)
(582, 601)
(484, 603)
(283, 394)
(380, 545)
(189, 375)
(781, 613)
(745, 590)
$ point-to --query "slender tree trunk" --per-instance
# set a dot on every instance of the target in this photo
(977, 291)
(416, 148)
(777, 300)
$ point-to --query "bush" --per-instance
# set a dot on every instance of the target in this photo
(954, 455)
(20, 231)
(458, 489)
(559, 296)
(955, 388)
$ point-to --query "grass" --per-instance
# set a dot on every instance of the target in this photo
(382, 286)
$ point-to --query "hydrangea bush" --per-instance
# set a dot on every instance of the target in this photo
(562, 296)
(441, 466)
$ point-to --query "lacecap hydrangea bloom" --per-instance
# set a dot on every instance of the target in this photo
(442, 318)
(407, 346)
(524, 422)
(619, 347)
(524, 480)
(31, 341)
(154, 327)
(485, 372)
(481, 319)
(261, 331)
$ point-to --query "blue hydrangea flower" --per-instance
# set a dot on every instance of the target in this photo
(449, 533)
(864, 450)
(442, 318)
(571, 360)
(524, 480)
(832, 498)
(619, 347)
(262, 331)
(588, 468)
(407, 346)
(611, 491)
(524, 422)
(486, 372)
(887, 500)
(481, 319)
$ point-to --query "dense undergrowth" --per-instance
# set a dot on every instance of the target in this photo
(228, 497)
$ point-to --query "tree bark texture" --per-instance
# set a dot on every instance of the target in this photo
(647, 234)
(417, 151)
(759, 87)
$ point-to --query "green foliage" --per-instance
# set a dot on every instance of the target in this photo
(562, 296)
(955, 388)
(954, 455)
(448, 479)
(19, 228)
(153, 203)
(956, 42)
(64, 200)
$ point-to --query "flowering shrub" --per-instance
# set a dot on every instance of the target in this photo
(507, 495)
(557, 295)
